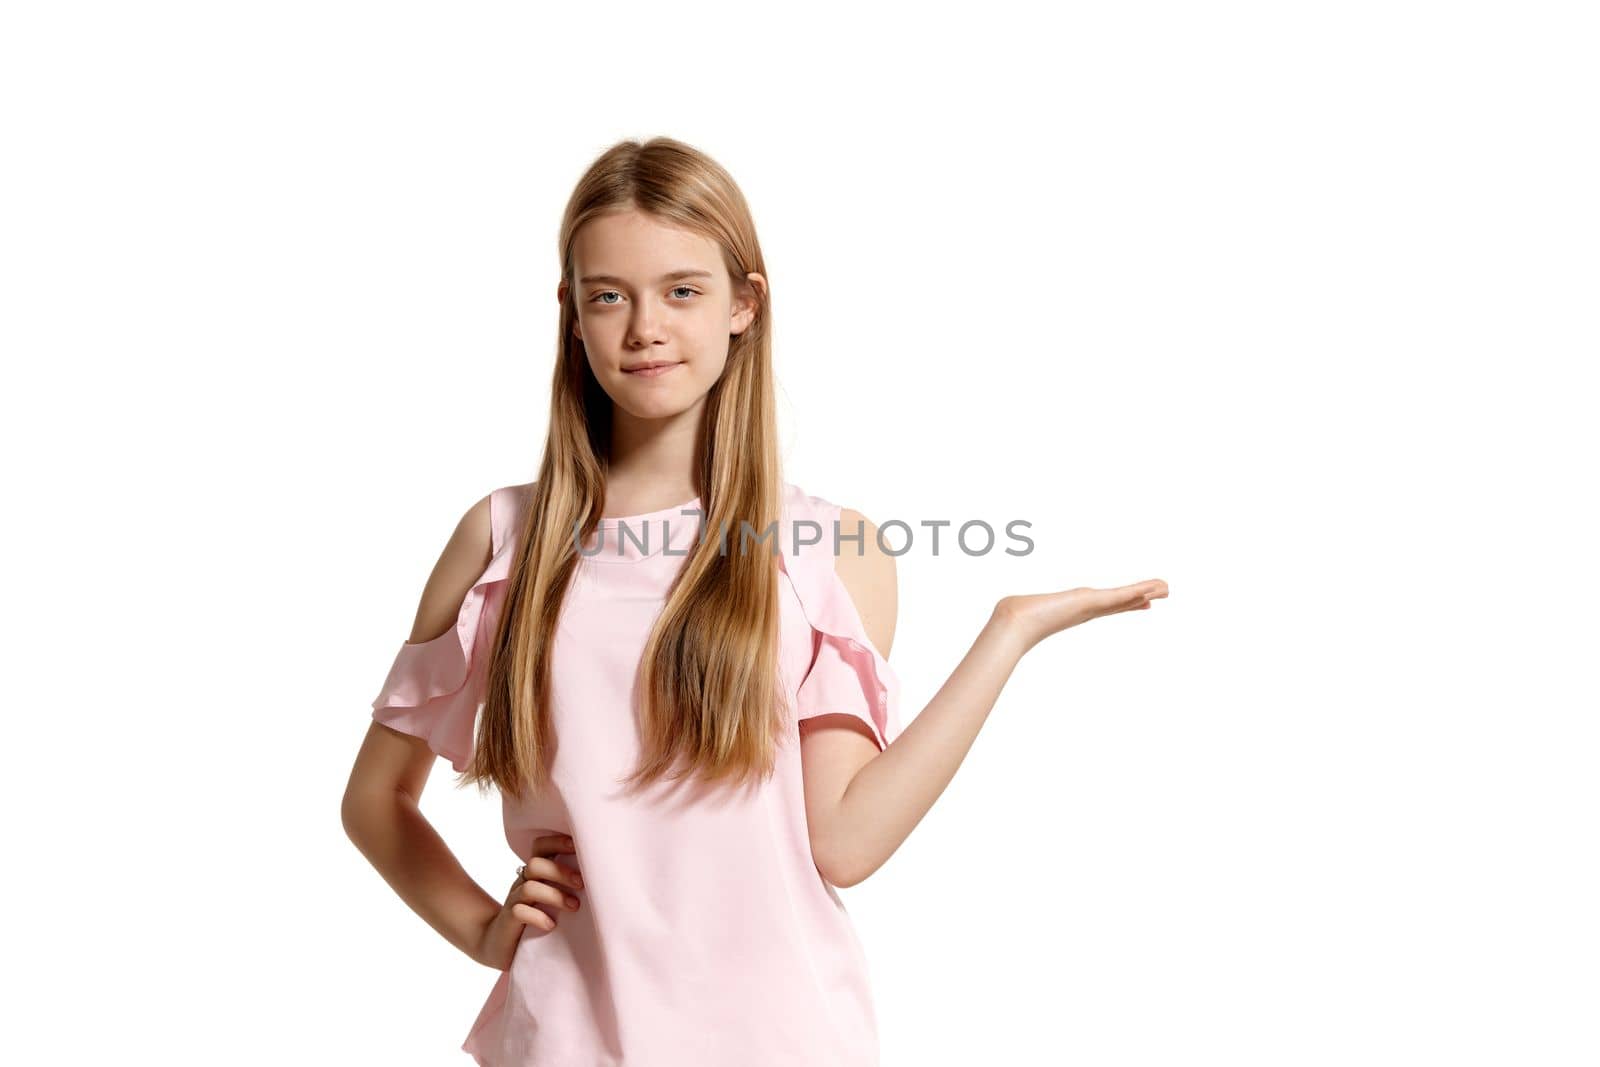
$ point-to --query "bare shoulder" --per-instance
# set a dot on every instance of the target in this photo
(459, 566)
(868, 574)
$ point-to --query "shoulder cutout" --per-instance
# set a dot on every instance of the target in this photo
(850, 672)
(868, 574)
(463, 560)
(435, 684)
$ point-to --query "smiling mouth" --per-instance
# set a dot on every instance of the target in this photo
(652, 369)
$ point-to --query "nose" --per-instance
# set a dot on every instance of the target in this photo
(644, 328)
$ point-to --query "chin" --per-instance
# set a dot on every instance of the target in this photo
(653, 407)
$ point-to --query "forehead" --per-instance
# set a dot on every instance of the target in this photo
(635, 246)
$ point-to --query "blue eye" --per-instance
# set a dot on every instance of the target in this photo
(612, 292)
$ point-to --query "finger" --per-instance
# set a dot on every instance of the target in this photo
(1123, 598)
(534, 891)
(554, 844)
(1143, 592)
(549, 869)
(532, 916)
(1140, 602)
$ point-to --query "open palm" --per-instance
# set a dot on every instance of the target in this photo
(1038, 615)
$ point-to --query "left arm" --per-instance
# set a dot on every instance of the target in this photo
(861, 804)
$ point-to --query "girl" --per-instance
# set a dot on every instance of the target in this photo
(692, 722)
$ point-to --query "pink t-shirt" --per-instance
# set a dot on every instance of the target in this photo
(706, 936)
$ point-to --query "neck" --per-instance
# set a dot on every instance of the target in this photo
(653, 461)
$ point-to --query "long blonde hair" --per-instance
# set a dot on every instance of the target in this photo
(709, 697)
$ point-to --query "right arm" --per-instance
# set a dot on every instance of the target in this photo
(380, 808)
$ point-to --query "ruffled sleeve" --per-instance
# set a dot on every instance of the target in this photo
(435, 688)
(848, 675)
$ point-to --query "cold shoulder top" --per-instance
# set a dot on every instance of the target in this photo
(706, 936)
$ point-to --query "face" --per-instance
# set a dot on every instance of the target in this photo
(651, 294)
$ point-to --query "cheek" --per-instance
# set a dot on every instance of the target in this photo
(708, 371)
(591, 326)
(712, 331)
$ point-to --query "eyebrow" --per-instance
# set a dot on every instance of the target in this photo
(670, 276)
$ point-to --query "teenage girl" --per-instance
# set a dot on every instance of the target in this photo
(692, 722)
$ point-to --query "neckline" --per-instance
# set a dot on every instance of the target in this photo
(610, 543)
(647, 516)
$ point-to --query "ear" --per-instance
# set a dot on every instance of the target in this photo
(747, 303)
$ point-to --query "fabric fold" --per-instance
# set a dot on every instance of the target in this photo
(849, 674)
(434, 688)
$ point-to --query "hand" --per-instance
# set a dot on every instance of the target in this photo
(1033, 617)
(539, 884)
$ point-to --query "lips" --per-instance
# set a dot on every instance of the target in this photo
(651, 368)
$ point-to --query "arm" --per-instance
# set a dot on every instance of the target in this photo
(862, 804)
(380, 808)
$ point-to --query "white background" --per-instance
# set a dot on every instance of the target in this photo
(1290, 305)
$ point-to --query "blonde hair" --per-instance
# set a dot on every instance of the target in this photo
(710, 701)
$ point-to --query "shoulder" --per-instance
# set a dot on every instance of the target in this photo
(478, 536)
(506, 506)
(867, 573)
